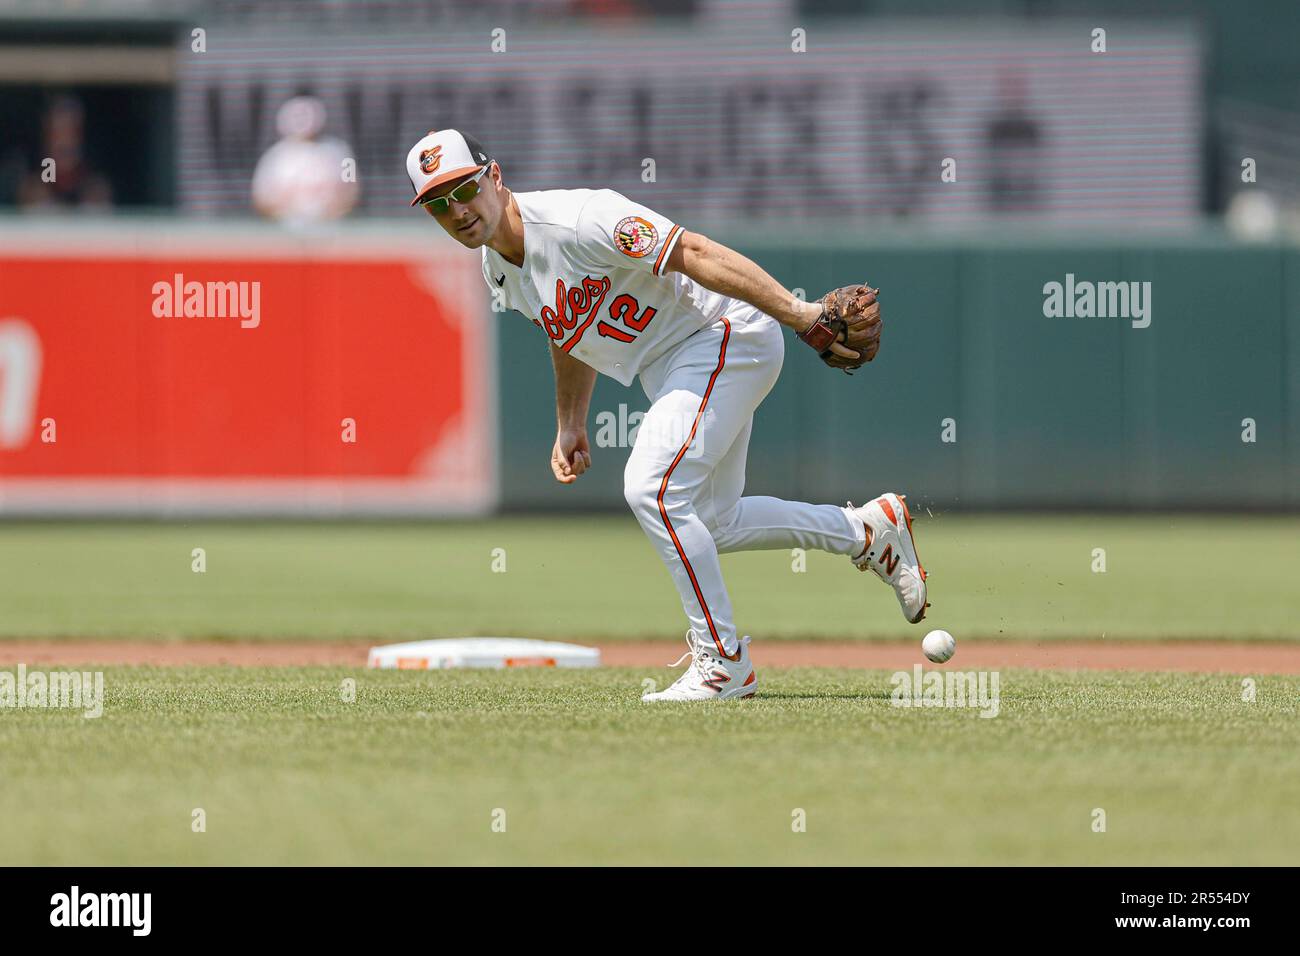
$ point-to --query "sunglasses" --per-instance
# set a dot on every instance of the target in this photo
(462, 194)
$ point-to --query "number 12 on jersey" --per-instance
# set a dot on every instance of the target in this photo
(624, 309)
(582, 302)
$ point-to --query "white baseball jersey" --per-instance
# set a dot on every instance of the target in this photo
(594, 279)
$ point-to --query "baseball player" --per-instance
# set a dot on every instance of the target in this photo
(623, 290)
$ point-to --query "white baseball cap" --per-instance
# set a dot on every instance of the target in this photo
(441, 156)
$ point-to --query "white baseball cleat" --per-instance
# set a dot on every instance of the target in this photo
(710, 676)
(892, 552)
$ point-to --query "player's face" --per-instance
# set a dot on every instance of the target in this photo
(473, 222)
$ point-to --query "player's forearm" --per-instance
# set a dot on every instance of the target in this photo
(574, 381)
(727, 272)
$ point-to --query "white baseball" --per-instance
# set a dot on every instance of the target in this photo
(938, 646)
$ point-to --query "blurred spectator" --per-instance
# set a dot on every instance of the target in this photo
(69, 182)
(1015, 145)
(304, 177)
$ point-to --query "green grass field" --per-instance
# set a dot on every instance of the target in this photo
(412, 771)
(597, 578)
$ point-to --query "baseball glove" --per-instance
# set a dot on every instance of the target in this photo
(851, 317)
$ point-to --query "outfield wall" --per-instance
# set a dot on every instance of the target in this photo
(390, 327)
(1047, 412)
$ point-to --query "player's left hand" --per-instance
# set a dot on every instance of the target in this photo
(847, 335)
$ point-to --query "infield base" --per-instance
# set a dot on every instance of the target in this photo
(489, 652)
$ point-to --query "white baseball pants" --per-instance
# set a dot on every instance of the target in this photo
(686, 473)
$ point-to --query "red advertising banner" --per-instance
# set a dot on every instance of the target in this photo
(168, 370)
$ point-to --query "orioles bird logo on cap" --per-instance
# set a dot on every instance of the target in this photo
(430, 159)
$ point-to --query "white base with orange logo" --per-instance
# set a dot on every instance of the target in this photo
(490, 652)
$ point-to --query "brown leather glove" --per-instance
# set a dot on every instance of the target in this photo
(851, 317)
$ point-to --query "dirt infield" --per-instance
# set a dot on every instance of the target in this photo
(1198, 656)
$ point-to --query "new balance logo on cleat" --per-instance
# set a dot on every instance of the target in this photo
(716, 680)
(889, 559)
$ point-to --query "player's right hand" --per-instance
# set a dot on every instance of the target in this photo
(571, 455)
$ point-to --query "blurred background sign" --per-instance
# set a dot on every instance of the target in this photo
(737, 122)
(143, 370)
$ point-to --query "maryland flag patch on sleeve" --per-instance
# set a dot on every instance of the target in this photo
(635, 237)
